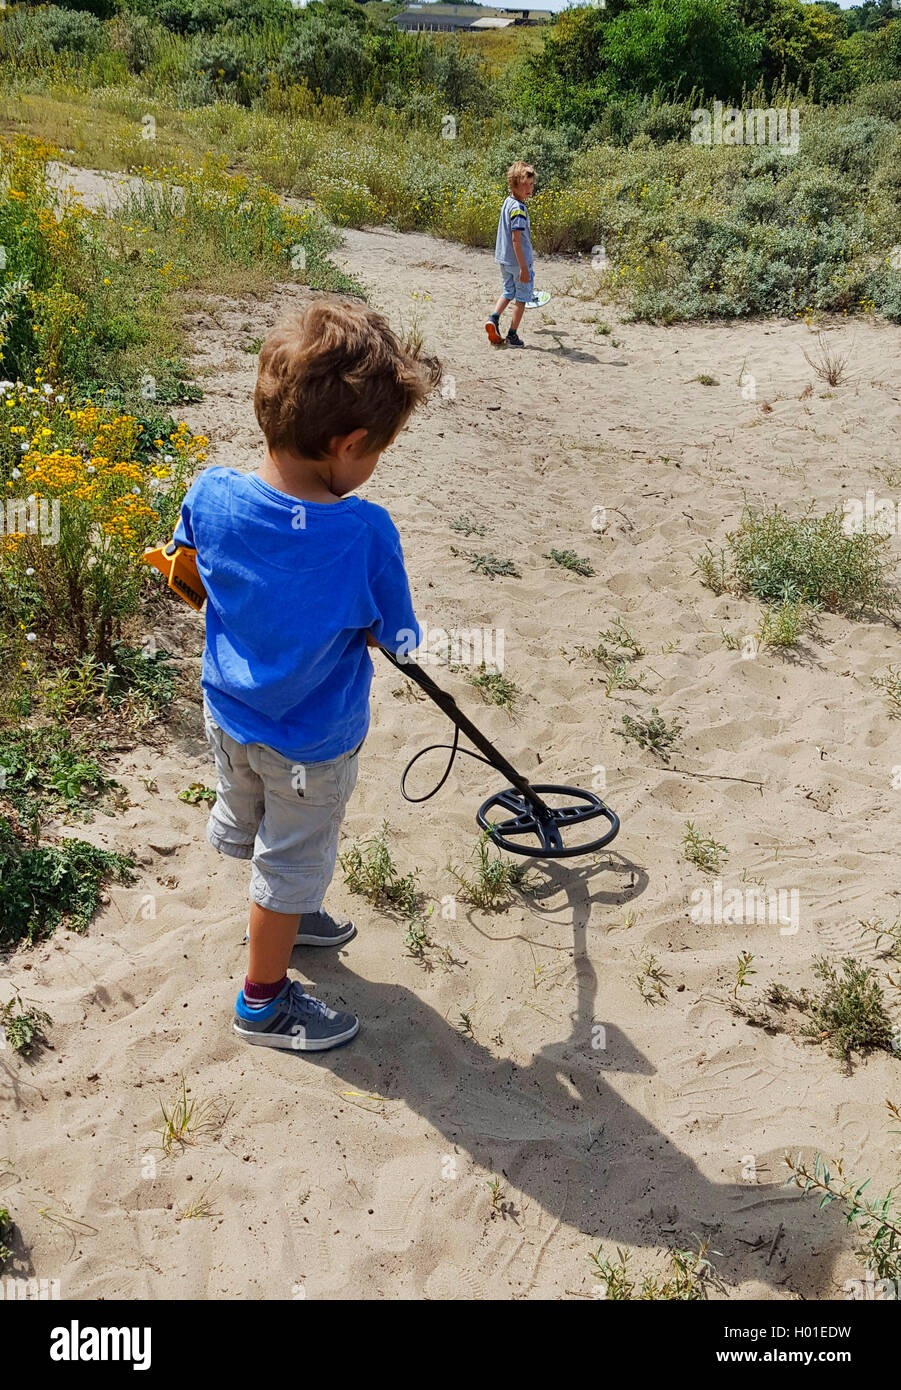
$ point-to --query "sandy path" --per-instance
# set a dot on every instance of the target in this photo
(678, 1125)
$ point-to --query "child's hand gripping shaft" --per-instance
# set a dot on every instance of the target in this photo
(179, 564)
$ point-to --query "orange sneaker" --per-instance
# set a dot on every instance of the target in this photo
(492, 328)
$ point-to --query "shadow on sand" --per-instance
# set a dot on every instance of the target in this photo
(557, 1128)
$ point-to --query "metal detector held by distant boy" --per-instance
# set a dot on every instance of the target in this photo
(532, 827)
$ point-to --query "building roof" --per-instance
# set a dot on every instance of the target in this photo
(423, 18)
(456, 17)
(471, 13)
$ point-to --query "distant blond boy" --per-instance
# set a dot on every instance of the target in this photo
(513, 253)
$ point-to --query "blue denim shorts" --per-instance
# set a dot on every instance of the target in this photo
(514, 287)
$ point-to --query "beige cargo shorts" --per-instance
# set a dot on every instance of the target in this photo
(283, 815)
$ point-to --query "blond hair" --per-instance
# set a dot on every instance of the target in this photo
(517, 173)
(334, 368)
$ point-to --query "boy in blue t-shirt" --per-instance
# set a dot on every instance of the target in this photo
(513, 252)
(300, 579)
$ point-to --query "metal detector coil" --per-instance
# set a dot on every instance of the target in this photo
(532, 817)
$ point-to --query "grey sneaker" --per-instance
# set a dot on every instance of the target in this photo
(322, 929)
(294, 1021)
(513, 339)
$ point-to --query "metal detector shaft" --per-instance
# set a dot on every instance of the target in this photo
(448, 705)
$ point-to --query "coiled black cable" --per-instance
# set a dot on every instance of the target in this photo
(454, 750)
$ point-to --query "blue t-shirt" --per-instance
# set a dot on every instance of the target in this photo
(292, 589)
(514, 218)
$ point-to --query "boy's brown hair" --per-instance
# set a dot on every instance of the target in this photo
(517, 172)
(334, 368)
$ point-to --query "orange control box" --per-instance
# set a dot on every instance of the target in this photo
(179, 564)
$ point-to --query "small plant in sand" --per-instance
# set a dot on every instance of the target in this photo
(252, 346)
(653, 733)
(713, 567)
(889, 682)
(492, 885)
(417, 940)
(615, 652)
(877, 1218)
(687, 1280)
(186, 1119)
(370, 871)
(569, 560)
(23, 1026)
(201, 1206)
(488, 564)
(652, 979)
(828, 362)
(778, 627)
(705, 379)
(782, 626)
(707, 854)
(197, 793)
(849, 1015)
(805, 560)
(495, 688)
(465, 1025)
(885, 932)
(743, 972)
(465, 526)
(498, 1192)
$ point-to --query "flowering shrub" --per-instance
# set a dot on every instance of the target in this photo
(84, 491)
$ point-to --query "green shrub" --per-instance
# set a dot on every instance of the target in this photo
(617, 121)
(197, 16)
(851, 147)
(667, 122)
(551, 151)
(329, 57)
(58, 30)
(42, 887)
(137, 38)
(101, 9)
(879, 99)
(810, 559)
(888, 170)
(369, 870)
(47, 769)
